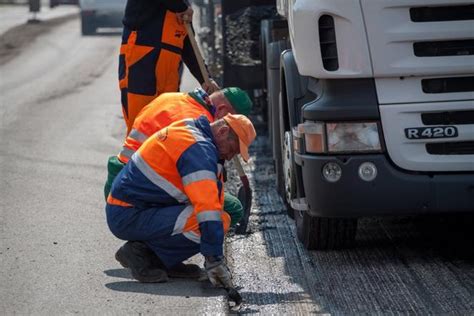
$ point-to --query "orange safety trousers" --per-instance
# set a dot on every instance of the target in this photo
(149, 63)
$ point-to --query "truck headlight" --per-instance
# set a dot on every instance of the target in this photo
(320, 137)
(313, 135)
(350, 137)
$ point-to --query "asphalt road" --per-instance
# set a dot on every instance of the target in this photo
(399, 265)
(60, 120)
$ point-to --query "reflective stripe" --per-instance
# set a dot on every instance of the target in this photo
(158, 180)
(113, 201)
(198, 176)
(127, 152)
(137, 135)
(192, 236)
(182, 219)
(206, 216)
(194, 130)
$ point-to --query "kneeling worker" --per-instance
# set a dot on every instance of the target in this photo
(169, 198)
(175, 106)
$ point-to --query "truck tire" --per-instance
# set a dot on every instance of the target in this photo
(320, 233)
(88, 25)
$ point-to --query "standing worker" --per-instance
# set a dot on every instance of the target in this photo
(154, 42)
(169, 198)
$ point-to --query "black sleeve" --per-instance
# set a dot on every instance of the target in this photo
(190, 60)
(175, 5)
(140, 12)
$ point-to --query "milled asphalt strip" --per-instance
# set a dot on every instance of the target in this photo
(268, 262)
(13, 41)
(397, 267)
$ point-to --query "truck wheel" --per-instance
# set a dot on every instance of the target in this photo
(288, 173)
(320, 233)
(88, 25)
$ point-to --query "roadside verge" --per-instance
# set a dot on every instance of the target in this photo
(13, 41)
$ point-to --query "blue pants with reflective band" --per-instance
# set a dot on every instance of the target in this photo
(153, 226)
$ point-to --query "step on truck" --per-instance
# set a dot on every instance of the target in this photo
(370, 107)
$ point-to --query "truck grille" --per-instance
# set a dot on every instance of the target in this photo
(437, 14)
(448, 118)
(445, 85)
(444, 48)
(430, 154)
(327, 42)
(451, 148)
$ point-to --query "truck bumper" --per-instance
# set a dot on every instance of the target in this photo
(392, 192)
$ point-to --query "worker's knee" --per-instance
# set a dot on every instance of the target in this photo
(233, 207)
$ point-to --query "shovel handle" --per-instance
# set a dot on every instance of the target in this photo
(238, 166)
(197, 53)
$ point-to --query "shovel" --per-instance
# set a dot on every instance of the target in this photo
(245, 193)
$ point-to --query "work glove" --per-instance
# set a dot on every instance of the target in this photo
(218, 272)
(185, 16)
(211, 87)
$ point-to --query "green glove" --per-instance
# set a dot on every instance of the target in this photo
(233, 207)
(114, 166)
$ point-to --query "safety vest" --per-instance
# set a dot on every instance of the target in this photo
(161, 112)
(179, 165)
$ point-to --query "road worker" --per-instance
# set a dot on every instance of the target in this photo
(154, 44)
(171, 107)
(169, 197)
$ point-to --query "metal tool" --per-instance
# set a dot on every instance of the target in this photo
(245, 197)
(234, 296)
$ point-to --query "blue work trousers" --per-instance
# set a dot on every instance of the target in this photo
(154, 226)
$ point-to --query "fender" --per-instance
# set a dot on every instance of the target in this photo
(293, 89)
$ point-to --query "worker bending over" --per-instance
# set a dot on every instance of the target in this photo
(169, 198)
(171, 107)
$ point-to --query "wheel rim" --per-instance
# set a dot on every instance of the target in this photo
(287, 170)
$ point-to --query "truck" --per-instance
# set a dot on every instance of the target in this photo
(369, 105)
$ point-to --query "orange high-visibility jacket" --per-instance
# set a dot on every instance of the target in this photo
(179, 165)
(161, 112)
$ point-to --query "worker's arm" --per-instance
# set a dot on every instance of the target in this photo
(198, 169)
(191, 62)
(175, 5)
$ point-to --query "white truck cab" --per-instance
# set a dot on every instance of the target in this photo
(375, 113)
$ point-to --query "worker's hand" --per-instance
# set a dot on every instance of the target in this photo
(218, 272)
(211, 87)
(185, 16)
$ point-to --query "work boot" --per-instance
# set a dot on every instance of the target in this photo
(136, 256)
(181, 270)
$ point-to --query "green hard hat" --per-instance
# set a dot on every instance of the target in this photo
(239, 99)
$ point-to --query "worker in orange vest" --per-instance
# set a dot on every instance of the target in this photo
(154, 44)
(169, 198)
(171, 107)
